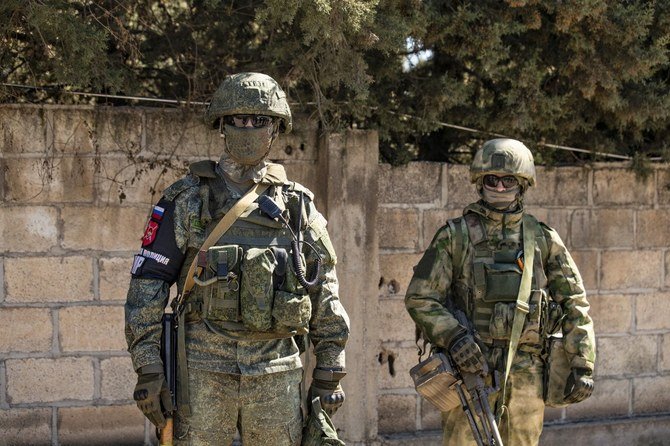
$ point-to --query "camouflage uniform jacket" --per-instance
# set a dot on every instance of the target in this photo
(193, 206)
(556, 280)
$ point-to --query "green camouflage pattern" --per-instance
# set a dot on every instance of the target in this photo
(522, 422)
(433, 289)
(249, 94)
(268, 407)
(205, 201)
(503, 156)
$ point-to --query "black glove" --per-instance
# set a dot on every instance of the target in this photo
(151, 392)
(579, 386)
(467, 355)
(326, 385)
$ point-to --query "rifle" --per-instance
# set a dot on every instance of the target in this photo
(443, 385)
(479, 392)
(169, 357)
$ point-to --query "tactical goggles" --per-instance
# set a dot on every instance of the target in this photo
(258, 121)
(507, 181)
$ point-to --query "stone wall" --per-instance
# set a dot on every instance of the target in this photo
(76, 186)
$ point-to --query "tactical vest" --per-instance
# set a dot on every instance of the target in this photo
(248, 287)
(489, 292)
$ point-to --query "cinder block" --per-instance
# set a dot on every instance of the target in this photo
(48, 279)
(650, 311)
(665, 353)
(635, 431)
(613, 185)
(611, 313)
(397, 413)
(396, 271)
(398, 228)
(117, 130)
(114, 278)
(73, 129)
(398, 326)
(49, 380)
(611, 398)
(417, 182)
(557, 219)
(395, 363)
(28, 228)
(84, 426)
(23, 129)
(626, 356)
(460, 191)
(652, 232)
(67, 179)
(630, 270)
(602, 228)
(651, 394)
(118, 379)
(107, 229)
(25, 330)
(587, 264)
(99, 328)
(433, 220)
(181, 132)
(121, 181)
(663, 186)
(552, 414)
(25, 427)
(559, 186)
(431, 417)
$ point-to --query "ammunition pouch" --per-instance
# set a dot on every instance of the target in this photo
(556, 373)
(245, 291)
(435, 380)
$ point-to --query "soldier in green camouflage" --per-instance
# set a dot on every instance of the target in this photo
(260, 295)
(487, 241)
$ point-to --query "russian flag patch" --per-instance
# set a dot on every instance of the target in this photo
(157, 213)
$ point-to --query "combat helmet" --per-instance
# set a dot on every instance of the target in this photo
(249, 93)
(503, 156)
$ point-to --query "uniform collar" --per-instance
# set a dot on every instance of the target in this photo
(487, 212)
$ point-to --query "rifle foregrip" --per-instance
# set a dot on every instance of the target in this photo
(167, 433)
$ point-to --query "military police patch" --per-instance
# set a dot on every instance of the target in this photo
(150, 233)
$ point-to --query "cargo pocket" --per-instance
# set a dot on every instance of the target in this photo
(292, 311)
(502, 283)
(256, 290)
(220, 297)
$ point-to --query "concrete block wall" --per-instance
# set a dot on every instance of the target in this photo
(616, 228)
(76, 186)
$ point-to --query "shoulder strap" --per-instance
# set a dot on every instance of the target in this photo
(460, 240)
(528, 229)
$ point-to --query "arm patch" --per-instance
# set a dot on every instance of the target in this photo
(159, 257)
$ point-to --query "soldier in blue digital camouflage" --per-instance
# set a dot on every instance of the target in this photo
(262, 292)
(487, 241)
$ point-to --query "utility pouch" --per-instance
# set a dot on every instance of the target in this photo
(256, 292)
(292, 311)
(220, 292)
(435, 380)
(554, 318)
(502, 282)
(556, 373)
(502, 319)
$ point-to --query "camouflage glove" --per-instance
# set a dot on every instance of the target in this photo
(151, 392)
(326, 385)
(579, 386)
(467, 355)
